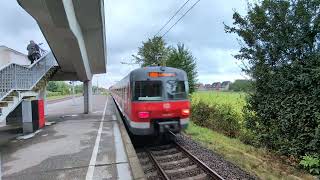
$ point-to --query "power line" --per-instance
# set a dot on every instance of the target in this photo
(172, 17)
(181, 17)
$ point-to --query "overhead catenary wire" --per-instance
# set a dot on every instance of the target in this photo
(181, 17)
(172, 17)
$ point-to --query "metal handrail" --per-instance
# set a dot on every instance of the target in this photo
(18, 77)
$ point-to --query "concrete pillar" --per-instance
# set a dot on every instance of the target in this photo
(87, 93)
(43, 95)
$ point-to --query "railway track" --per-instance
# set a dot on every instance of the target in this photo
(172, 161)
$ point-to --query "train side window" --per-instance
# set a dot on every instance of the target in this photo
(148, 91)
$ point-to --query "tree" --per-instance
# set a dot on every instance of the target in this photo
(155, 52)
(152, 52)
(59, 86)
(182, 58)
(280, 47)
(241, 85)
(52, 86)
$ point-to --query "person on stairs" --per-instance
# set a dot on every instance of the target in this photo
(33, 51)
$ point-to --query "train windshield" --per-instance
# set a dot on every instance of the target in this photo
(176, 90)
(148, 91)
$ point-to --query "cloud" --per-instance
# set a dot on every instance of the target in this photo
(202, 31)
(130, 22)
(18, 27)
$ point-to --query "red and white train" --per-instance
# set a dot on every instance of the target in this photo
(152, 99)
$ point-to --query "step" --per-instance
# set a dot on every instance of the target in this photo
(6, 102)
(9, 98)
(3, 104)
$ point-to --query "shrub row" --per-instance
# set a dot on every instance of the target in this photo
(221, 118)
(49, 93)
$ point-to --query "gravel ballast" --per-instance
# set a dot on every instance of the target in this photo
(215, 161)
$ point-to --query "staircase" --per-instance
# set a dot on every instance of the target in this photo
(19, 82)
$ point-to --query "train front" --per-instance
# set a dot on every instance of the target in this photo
(160, 100)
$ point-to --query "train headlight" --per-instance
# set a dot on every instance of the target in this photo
(185, 112)
(143, 115)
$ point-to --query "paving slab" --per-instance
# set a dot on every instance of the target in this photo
(78, 146)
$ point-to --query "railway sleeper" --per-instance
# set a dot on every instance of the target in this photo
(184, 172)
(201, 176)
(178, 165)
(162, 147)
(184, 160)
(167, 151)
(167, 158)
(152, 175)
(181, 169)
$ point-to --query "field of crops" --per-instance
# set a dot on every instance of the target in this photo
(219, 111)
(234, 99)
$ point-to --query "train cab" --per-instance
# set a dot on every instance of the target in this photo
(154, 99)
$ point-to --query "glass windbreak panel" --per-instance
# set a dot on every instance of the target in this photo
(148, 91)
(176, 90)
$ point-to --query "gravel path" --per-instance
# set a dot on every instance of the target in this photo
(216, 162)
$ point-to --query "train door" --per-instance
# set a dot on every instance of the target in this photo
(125, 98)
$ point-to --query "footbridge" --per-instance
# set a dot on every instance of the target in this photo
(75, 32)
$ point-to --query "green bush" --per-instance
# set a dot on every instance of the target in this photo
(220, 118)
(49, 93)
(311, 163)
(281, 53)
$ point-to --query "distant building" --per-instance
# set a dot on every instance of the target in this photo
(207, 86)
(8, 55)
(216, 85)
(225, 85)
(200, 87)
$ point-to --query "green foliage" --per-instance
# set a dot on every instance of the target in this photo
(79, 88)
(50, 94)
(311, 163)
(233, 99)
(210, 113)
(52, 86)
(155, 52)
(59, 86)
(241, 85)
(152, 52)
(182, 58)
(280, 51)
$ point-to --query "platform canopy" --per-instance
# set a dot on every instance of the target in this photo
(75, 32)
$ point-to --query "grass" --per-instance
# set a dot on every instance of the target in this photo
(235, 100)
(59, 96)
(260, 162)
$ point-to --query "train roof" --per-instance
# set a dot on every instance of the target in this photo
(141, 74)
(143, 70)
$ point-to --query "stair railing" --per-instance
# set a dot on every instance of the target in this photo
(19, 77)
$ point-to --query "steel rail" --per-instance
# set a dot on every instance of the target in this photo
(153, 159)
(196, 160)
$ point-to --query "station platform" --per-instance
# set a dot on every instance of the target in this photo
(75, 146)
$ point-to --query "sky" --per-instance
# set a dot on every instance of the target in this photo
(130, 22)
